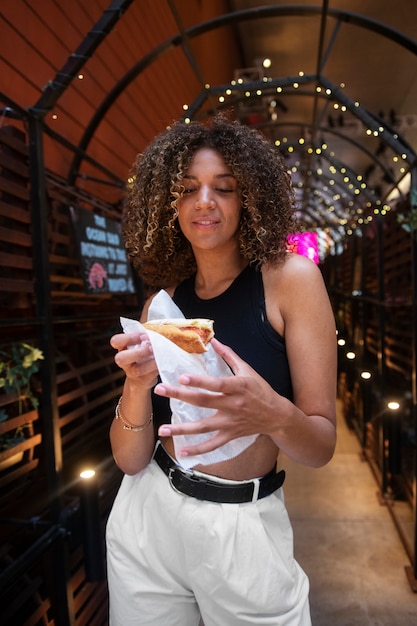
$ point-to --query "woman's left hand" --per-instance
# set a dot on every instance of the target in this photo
(243, 403)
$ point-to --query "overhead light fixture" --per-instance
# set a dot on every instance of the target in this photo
(87, 474)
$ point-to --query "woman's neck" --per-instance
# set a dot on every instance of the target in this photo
(215, 277)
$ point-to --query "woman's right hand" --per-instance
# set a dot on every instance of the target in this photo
(135, 357)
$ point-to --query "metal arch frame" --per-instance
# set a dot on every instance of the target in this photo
(393, 139)
(329, 130)
(56, 87)
(373, 122)
(224, 20)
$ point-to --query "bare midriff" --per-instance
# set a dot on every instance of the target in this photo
(256, 461)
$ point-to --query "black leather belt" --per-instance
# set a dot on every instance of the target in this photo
(204, 489)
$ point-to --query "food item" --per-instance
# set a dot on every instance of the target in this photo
(192, 335)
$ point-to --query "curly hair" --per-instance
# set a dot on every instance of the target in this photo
(158, 250)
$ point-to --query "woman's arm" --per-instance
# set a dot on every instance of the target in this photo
(132, 450)
(299, 301)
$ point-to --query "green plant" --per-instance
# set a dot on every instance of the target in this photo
(17, 366)
(409, 221)
(8, 440)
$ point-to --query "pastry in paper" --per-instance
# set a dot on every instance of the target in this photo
(192, 335)
(172, 361)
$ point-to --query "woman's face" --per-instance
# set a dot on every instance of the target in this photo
(209, 210)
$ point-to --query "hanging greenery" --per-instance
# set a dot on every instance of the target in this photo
(17, 366)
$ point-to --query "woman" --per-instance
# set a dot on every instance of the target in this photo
(208, 216)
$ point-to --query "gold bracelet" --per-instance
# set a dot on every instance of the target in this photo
(127, 425)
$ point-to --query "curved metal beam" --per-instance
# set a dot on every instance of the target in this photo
(224, 20)
(389, 136)
(56, 87)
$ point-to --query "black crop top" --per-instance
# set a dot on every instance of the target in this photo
(240, 322)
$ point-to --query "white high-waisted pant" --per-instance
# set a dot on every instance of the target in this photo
(171, 558)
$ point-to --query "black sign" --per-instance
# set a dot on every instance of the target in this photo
(103, 258)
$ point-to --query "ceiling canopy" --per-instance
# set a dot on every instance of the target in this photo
(333, 84)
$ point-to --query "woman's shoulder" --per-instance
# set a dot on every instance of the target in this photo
(297, 290)
(293, 270)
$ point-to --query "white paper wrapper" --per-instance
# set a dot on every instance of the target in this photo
(172, 362)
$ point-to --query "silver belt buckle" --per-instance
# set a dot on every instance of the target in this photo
(170, 472)
(170, 475)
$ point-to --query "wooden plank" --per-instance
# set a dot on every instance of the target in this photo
(87, 388)
(12, 477)
(14, 189)
(16, 261)
(82, 412)
(86, 405)
(15, 237)
(20, 420)
(87, 430)
(55, 259)
(40, 613)
(91, 367)
(91, 604)
(8, 162)
(84, 592)
(65, 238)
(15, 213)
(80, 299)
(67, 280)
(8, 139)
(16, 285)
(87, 420)
(27, 444)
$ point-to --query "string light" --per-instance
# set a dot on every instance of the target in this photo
(354, 190)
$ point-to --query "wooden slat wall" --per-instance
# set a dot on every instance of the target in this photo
(88, 383)
(16, 272)
(395, 364)
(397, 261)
(397, 291)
